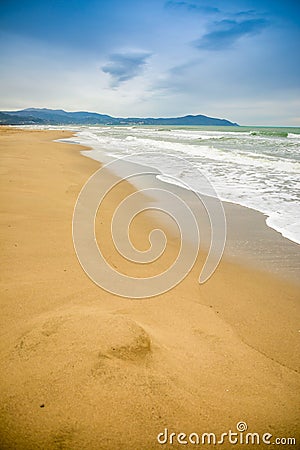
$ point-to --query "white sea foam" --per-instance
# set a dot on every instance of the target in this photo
(259, 168)
(259, 171)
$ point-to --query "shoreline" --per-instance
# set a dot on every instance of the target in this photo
(91, 137)
(105, 368)
(250, 242)
(89, 148)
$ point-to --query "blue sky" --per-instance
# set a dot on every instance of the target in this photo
(233, 59)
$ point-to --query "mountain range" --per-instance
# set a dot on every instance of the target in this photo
(44, 116)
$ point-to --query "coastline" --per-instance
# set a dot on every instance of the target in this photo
(217, 156)
(250, 240)
(237, 334)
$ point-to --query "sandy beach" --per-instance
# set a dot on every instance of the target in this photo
(84, 369)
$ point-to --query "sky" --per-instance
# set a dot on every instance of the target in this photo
(233, 59)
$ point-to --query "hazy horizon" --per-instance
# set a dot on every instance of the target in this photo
(241, 125)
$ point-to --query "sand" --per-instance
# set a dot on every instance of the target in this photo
(84, 369)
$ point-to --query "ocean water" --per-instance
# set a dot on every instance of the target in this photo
(254, 167)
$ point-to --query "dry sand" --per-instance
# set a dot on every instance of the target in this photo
(84, 369)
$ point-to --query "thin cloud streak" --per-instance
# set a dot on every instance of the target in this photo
(227, 32)
(191, 7)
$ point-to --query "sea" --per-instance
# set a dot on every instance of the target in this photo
(256, 167)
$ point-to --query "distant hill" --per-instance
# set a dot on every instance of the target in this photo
(11, 119)
(44, 116)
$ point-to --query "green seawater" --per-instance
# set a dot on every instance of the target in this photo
(253, 130)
